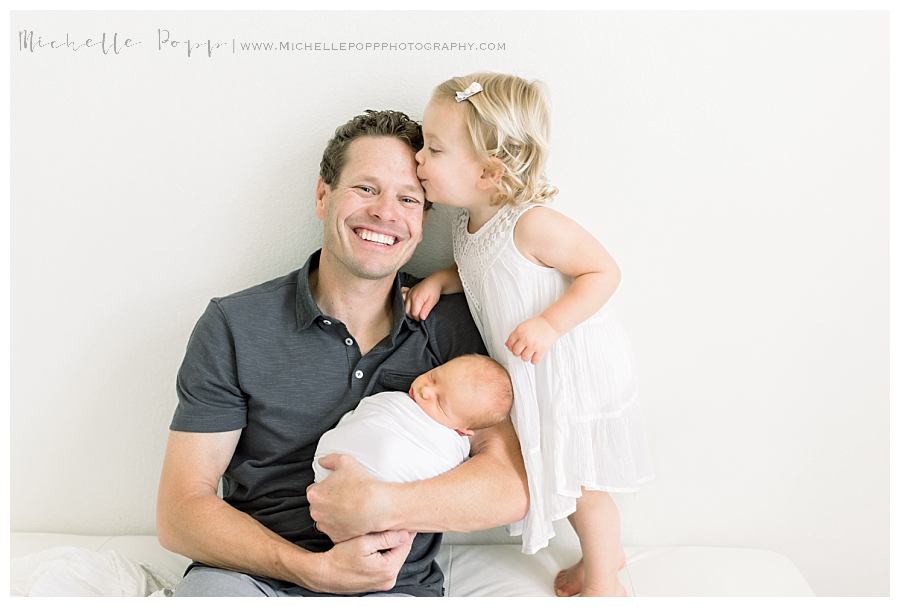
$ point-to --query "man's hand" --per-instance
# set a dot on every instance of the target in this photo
(349, 502)
(531, 339)
(368, 563)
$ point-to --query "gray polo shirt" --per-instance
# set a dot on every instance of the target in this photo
(267, 361)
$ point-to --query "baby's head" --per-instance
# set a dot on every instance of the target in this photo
(467, 393)
(494, 141)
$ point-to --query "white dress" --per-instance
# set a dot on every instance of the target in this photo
(576, 412)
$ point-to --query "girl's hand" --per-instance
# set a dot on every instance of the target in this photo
(531, 339)
(419, 300)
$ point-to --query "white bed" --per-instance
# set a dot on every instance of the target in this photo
(482, 564)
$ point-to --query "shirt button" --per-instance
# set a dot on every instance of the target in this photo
(348, 341)
(326, 322)
(358, 374)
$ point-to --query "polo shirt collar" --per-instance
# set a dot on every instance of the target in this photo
(308, 311)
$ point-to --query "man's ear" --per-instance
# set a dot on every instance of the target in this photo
(321, 190)
(491, 173)
(464, 432)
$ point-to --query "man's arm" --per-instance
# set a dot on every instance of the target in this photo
(487, 490)
(192, 520)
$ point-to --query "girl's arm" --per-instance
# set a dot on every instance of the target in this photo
(551, 239)
(449, 280)
(425, 295)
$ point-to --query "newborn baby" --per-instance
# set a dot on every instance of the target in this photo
(403, 437)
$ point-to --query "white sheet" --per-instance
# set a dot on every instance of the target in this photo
(477, 565)
(70, 571)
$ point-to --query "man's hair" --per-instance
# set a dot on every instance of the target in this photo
(382, 123)
(494, 389)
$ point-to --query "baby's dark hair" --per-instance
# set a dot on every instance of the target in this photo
(493, 388)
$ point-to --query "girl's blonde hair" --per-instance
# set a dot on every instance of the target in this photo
(510, 121)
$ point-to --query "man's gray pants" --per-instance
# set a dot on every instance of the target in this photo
(211, 581)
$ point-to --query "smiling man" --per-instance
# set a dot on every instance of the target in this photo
(270, 369)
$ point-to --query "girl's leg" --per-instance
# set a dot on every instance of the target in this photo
(596, 521)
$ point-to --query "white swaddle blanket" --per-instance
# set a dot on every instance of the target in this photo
(394, 440)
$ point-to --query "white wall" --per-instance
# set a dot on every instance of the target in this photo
(734, 163)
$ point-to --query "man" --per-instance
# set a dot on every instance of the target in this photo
(270, 369)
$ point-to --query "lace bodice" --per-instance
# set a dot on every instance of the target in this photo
(479, 250)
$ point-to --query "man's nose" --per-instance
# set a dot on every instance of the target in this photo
(384, 207)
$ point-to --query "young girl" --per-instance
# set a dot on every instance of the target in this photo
(538, 286)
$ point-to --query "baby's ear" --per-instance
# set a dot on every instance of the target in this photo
(464, 432)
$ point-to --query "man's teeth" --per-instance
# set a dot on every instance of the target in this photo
(374, 237)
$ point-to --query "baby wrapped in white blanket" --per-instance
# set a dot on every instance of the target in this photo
(400, 437)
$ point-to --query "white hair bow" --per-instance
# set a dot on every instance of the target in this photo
(472, 89)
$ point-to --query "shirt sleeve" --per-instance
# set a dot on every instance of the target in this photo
(209, 397)
(451, 330)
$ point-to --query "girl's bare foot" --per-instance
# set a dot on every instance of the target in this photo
(569, 582)
(612, 588)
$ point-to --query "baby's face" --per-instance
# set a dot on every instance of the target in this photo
(444, 393)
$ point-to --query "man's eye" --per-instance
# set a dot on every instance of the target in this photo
(408, 200)
(365, 188)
